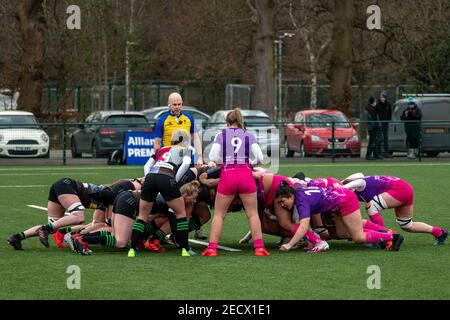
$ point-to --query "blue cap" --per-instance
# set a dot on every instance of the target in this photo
(410, 100)
(383, 94)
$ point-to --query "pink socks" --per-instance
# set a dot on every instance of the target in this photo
(374, 236)
(258, 243)
(312, 237)
(436, 231)
(213, 245)
(376, 218)
(373, 226)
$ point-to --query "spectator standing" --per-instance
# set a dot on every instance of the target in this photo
(373, 129)
(384, 110)
(176, 119)
(411, 116)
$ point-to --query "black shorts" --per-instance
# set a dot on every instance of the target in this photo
(60, 187)
(126, 205)
(186, 178)
(160, 208)
(159, 183)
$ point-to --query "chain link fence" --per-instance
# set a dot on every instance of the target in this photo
(334, 141)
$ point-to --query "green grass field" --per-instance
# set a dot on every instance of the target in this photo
(419, 270)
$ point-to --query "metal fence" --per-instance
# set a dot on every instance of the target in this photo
(298, 142)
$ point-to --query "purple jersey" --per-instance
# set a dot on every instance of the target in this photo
(316, 200)
(235, 144)
(375, 185)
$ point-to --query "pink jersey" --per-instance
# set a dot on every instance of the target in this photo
(327, 182)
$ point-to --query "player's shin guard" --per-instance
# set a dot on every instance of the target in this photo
(182, 233)
(20, 236)
(371, 236)
(373, 226)
(150, 228)
(194, 223)
(312, 237)
(137, 233)
(377, 219)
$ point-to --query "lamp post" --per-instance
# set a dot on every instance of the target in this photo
(279, 56)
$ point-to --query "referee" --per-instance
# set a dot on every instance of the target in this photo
(173, 120)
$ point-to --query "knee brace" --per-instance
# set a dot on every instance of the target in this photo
(404, 223)
(76, 207)
(376, 205)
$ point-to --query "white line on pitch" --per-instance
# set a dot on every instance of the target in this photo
(220, 247)
(190, 240)
(26, 186)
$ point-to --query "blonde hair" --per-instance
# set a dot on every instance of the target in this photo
(190, 188)
(235, 117)
(181, 137)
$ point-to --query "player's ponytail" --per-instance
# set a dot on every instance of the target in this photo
(190, 188)
(235, 117)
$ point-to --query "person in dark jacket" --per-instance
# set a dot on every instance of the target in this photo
(412, 115)
(384, 111)
(373, 129)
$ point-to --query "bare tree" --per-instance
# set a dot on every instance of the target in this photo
(341, 56)
(315, 42)
(264, 96)
(32, 26)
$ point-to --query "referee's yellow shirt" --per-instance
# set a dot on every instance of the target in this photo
(168, 123)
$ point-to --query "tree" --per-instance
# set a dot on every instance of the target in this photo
(32, 26)
(341, 57)
(264, 95)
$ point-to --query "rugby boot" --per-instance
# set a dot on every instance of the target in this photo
(441, 239)
(154, 246)
(59, 239)
(132, 253)
(188, 253)
(208, 252)
(16, 244)
(261, 252)
(43, 236)
(320, 247)
(395, 243)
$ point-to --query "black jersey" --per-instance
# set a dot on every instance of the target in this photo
(122, 185)
(93, 196)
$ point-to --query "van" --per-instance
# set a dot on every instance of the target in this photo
(435, 135)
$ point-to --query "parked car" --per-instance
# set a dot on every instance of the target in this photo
(255, 121)
(436, 136)
(21, 136)
(310, 134)
(104, 131)
(201, 118)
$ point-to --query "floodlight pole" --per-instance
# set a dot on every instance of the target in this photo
(279, 54)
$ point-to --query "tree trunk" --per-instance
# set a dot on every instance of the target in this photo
(264, 95)
(341, 57)
(313, 100)
(32, 25)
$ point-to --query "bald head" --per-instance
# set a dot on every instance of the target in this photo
(175, 102)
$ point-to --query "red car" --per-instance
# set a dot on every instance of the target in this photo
(311, 134)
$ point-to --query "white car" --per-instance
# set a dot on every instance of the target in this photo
(255, 121)
(21, 136)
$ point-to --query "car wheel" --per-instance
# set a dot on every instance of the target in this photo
(73, 149)
(432, 154)
(288, 153)
(302, 150)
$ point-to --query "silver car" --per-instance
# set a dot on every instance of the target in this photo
(435, 133)
(255, 121)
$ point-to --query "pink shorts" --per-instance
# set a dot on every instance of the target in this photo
(236, 181)
(402, 191)
(347, 204)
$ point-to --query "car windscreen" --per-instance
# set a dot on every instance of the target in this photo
(324, 120)
(126, 120)
(255, 121)
(438, 110)
(18, 121)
